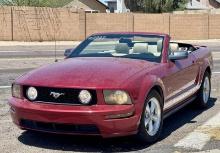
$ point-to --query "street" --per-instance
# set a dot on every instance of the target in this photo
(189, 130)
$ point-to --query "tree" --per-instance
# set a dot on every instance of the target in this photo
(155, 6)
(37, 3)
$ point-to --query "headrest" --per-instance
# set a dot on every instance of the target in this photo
(140, 48)
(122, 48)
(174, 47)
(159, 46)
(127, 41)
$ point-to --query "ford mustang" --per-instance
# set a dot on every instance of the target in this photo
(113, 84)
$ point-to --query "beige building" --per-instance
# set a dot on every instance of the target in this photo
(90, 6)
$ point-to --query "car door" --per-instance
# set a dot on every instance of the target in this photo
(180, 79)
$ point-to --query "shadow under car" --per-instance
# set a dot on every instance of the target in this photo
(97, 144)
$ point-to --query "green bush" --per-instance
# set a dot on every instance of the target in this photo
(155, 6)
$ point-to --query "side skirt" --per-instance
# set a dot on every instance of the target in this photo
(179, 106)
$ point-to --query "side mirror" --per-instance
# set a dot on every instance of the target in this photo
(68, 52)
(178, 55)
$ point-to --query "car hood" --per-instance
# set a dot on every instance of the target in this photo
(86, 72)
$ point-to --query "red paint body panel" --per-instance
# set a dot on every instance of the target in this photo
(137, 77)
(86, 72)
(23, 109)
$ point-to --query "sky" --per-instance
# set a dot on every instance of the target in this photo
(102, 1)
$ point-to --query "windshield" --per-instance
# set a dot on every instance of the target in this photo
(146, 47)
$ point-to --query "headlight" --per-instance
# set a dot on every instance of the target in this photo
(117, 97)
(85, 97)
(16, 91)
(32, 93)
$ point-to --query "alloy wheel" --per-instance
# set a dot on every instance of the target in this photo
(152, 117)
(206, 90)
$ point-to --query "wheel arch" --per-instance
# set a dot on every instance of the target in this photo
(208, 69)
(158, 89)
(207, 66)
(150, 83)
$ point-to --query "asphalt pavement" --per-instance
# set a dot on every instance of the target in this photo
(189, 130)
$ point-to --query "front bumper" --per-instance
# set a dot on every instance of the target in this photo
(96, 116)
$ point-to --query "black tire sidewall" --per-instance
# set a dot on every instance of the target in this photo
(142, 133)
(200, 100)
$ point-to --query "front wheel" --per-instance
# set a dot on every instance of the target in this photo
(152, 118)
(204, 91)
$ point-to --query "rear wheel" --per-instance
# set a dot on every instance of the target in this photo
(204, 91)
(151, 120)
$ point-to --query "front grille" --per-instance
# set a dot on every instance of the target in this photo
(70, 95)
(60, 128)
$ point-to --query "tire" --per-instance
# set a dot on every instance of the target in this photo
(203, 96)
(145, 132)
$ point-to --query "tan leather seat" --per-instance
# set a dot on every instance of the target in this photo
(174, 47)
(140, 48)
(159, 46)
(122, 48)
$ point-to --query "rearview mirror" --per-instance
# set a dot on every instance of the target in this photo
(68, 52)
(178, 55)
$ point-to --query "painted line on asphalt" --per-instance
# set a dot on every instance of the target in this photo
(5, 121)
(201, 135)
(5, 87)
(216, 58)
(30, 51)
(216, 72)
(214, 89)
(209, 151)
(214, 122)
(31, 58)
(195, 140)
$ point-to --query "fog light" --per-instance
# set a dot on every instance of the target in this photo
(85, 97)
(32, 93)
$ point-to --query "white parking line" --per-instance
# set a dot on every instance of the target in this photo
(5, 121)
(201, 135)
(209, 151)
(216, 72)
(3, 51)
(195, 140)
(5, 87)
(22, 51)
(26, 58)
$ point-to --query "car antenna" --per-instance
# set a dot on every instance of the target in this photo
(55, 51)
(55, 43)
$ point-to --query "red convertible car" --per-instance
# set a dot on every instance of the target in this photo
(113, 84)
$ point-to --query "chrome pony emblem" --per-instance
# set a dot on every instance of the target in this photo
(56, 94)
